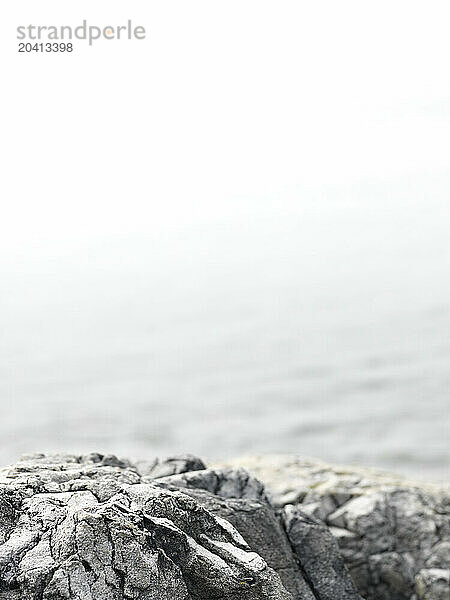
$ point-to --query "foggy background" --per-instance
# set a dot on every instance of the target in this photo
(232, 237)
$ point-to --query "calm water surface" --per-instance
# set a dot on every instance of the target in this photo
(320, 333)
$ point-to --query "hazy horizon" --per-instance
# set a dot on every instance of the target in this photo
(231, 237)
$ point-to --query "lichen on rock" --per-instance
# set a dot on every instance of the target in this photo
(393, 533)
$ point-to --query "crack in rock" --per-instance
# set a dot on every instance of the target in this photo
(96, 527)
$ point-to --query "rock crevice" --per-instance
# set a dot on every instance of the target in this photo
(97, 527)
(393, 533)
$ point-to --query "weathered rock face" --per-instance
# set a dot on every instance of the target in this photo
(98, 528)
(394, 534)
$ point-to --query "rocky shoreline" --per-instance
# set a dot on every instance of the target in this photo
(259, 528)
(394, 533)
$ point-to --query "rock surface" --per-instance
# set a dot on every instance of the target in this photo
(394, 534)
(98, 528)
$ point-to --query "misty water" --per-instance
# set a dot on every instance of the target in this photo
(316, 325)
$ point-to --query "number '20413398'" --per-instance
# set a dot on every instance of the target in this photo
(47, 47)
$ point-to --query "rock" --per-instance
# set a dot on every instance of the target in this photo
(241, 501)
(97, 527)
(433, 584)
(225, 482)
(318, 553)
(394, 534)
(172, 465)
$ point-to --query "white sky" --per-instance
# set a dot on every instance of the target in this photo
(255, 189)
(226, 104)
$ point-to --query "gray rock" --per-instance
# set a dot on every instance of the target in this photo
(241, 501)
(318, 553)
(225, 482)
(394, 534)
(173, 465)
(97, 527)
(433, 584)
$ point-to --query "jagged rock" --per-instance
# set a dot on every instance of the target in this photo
(433, 584)
(98, 528)
(318, 553)
(225, 482)
(173, 465)
(241, 501)
(394, 534)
